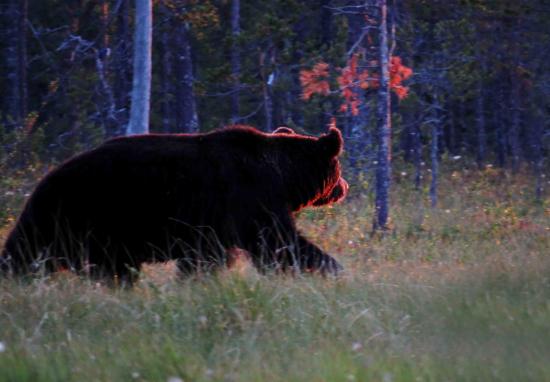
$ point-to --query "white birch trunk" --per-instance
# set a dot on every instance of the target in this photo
(141, 82)
(383, 167)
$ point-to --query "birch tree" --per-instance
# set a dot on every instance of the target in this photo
(383, 166)
(141, 82)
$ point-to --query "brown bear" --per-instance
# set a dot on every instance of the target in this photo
(188, 197)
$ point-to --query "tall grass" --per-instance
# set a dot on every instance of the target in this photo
(461, 292)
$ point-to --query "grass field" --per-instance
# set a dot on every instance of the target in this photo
(457, 293)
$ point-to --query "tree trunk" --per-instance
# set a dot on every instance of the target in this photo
(513, 135)
(141, 83)
(15, 101)
(106, 103)
(235, 59)
(452, 146)
(383, 168)
(359, 138)
(186, 109)
(481, 133)
(295, 102)
(121, 66)
(267, 80)
(538, 157)
(434, 156)
(417, 156)
(166, 73)
(500, 127)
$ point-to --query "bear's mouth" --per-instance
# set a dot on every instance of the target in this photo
(338, 192)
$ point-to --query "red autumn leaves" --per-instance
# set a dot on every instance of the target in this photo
(350, 80)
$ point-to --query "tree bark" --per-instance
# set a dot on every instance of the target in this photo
(186, 109)
(122, 66)
(434, 152)
(267, 81)
(235, 59)
(513, 135)
(500, 127)
(480, 124)
(141, 82)
(106, 103)
(15, 101)
(417, 156)
(359, 137)
(166, 72)
(383, 167)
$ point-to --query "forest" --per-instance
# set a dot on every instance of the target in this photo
(444, 107)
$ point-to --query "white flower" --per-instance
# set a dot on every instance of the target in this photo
(174, 379)
(135, 375)
(356, 346)
(2, 347)
(203, 320)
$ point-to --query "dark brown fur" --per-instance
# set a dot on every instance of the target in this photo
(185, 197)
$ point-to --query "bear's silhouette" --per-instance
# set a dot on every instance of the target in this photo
(188, 197)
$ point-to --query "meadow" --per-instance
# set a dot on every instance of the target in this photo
(459, 293)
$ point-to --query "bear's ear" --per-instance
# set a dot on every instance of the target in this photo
(284, 130)
(332, 142)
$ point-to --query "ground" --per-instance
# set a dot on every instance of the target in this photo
(456, 293)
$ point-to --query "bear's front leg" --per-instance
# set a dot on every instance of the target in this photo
(288, 251)
(313, 259)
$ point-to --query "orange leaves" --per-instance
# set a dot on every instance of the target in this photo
(351, 79)
(398, 74)
(315, 81)
(348, 81)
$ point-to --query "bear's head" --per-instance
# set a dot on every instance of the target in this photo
(311, 168)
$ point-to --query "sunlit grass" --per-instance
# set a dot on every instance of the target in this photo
(461, 292)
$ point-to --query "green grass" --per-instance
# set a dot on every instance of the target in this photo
(459, 293)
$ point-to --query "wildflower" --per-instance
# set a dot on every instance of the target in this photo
(356, 346)
(135, 375)
(203, 320)
(2, 347)
(174, 379)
